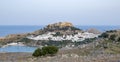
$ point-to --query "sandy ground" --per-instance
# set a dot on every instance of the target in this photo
(26, 57)
(14, 57)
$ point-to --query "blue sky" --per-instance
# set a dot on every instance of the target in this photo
(43, 12)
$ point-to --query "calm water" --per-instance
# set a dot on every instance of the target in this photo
(100, 28)
(17, 49)
(5, 30)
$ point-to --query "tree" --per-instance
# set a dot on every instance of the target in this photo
(104, 35)
(26, 40)
(58, 34)
(112, 37)
(118, 39)
(49, 50)
(37, 52)
(111, 31)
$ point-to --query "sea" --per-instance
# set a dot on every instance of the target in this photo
(6, 30)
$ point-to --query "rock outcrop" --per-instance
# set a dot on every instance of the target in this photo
(59, 25)
(62, 27)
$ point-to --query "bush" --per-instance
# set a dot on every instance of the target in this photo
(118, 39)
(26, 40)
(57, 34)
(74, 28)
(111, 31)
(37, 52)
(112, 37)
(48, 50)
(104, 35)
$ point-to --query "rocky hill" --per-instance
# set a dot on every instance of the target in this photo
(60, 34)
(102, 49)
(105, 48)
(64, 32)
(62, 27)
(66, 28)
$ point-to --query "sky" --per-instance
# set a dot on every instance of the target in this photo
(43, 12)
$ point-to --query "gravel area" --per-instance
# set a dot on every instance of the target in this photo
(26, 57)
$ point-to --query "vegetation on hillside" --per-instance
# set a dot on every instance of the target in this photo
(37, 52)
(47, 50)
(110, 42)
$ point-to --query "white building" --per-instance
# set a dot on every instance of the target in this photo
(76, 37)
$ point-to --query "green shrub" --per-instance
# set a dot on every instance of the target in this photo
(112, 37)
(118, 39)
(57, 34)
(104, 35)
(49, 50)
(111, 31)
(74, 28)
(26, 40)
(37, 52)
